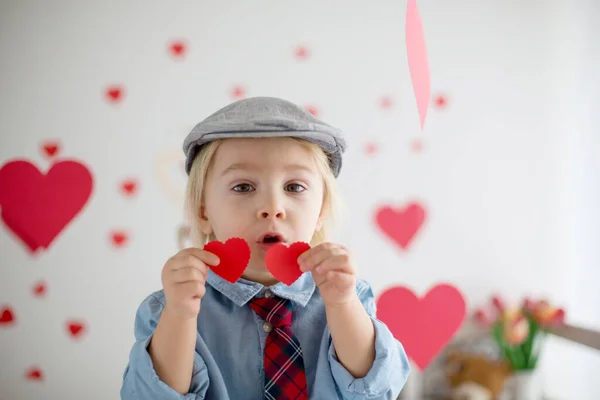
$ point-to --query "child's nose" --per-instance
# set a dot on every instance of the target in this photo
(273, 209)
(274, 215)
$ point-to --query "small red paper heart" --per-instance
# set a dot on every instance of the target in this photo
(119, 238)
(238, 92)
(177, 48)
(51, 148)
(282, 261)
(129, 187)
(39, 289)
(423, 326)
(401, 225)
(75, 329)
(302, 53)
(234, 256)
(370, 148)
(385, 103)
(114, 94)
(7, 317)
(417, 145)
(313, 110)
(440, 101)
(34, 374)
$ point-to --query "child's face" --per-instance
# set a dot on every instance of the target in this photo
(260, 186)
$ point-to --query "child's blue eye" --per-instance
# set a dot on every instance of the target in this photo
(243, 187)
(296, 187)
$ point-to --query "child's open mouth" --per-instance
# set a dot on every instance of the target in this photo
(269, 240)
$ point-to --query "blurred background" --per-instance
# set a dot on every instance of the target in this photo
(497, 195)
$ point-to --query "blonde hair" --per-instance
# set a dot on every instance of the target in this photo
(194, 198)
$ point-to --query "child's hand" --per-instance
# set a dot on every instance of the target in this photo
(333, 272)
(183, 278)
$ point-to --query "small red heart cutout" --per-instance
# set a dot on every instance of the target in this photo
(386, 102)
(302, 53)
(129, 187)
(177, 48)
(51, 148)
(114, 94)
(34, 374)
(440, 101)
(423, 326)
(238, 92)
(39, 289)
(234, 256)
(313, 110)
(7, 317)
(401, 225)
(119, 238)
(75, 328)
(282, 261)
(370, 148)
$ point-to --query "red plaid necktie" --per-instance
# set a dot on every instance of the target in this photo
(284, 366)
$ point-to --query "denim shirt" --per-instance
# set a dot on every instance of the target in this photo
(228, 361)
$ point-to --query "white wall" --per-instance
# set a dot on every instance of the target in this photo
(508, 171)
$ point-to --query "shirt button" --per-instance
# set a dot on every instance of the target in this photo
(269, 294)
(267, 327)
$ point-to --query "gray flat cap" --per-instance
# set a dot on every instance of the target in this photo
(261, 117)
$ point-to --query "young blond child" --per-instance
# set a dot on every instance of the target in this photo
(264, 170)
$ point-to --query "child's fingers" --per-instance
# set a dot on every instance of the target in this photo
(338, 263)
(188, 274)
(194, 258)
(313, 260)
(192, 290)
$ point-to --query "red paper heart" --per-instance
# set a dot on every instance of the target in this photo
(302, 53)
(76, 329)
(401, 225)
(51, 148)
(423, 326)
(440, 101)
(7, 317)
(129, 187)
(385, 102)
(313, 110)
(38, 207)
(34, 374)
(119, 238)
(39, 289)
(238, 92)
(234, 256)
(178, 48)
(282, 261)
(370, 148)
(114, 93)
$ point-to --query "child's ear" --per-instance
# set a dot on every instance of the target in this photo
(205, 225)
(320, 221)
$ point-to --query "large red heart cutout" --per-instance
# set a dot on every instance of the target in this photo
(38, 207)
(282, 261)
(234, 256)
(401, 225)
(423, 326)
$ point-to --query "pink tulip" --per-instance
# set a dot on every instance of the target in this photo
(484, 318)
(516, 330)
(546, 315)
(528, 304)
(498, 303)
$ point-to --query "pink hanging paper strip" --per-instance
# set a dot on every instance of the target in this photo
(417, 59)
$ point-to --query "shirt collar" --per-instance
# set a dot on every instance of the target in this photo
(244, 290)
